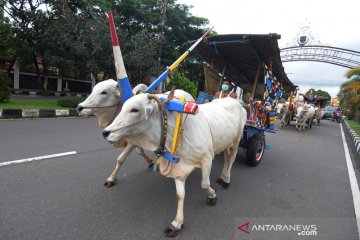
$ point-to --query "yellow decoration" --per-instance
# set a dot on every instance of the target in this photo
(175, 64)
(177, 129)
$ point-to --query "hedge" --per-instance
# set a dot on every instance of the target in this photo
(70, 102)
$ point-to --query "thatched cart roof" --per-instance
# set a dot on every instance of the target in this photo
(241, 54)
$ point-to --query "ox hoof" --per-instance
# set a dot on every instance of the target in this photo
(211, 201)
(221, 182)
(151, 165)
(171, 231)
(225, 185)
(109, 183)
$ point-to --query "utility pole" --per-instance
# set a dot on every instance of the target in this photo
(163, 7)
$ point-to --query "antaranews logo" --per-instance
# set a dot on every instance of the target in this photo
(244, 228)
(299, 229)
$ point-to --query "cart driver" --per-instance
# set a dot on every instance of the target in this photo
(312, 99)
(225, 91)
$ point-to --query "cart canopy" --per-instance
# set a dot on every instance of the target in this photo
(241, 54)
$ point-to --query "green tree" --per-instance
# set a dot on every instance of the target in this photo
(353, 72)
(27, 32)
(4, 87)
(71, 38)
(349, 94)
(319, 93)
(170, 24)
(140, 57)
(80, 31)
(181, 82)
(6, 41)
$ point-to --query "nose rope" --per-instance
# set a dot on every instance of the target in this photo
(118, 128)
(102, 106)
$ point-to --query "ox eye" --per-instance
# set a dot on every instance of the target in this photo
(134, 110)
(103, 93)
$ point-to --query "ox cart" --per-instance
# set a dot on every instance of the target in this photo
(251, 62)
(242, 59)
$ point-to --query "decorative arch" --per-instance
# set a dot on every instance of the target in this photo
(317, 53)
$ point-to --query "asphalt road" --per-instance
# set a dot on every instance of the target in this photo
(303, 178)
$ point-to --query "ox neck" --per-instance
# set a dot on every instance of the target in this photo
(106, 117)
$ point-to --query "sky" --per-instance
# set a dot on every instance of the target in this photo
(334, 23)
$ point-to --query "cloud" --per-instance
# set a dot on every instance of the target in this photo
(334, 23)
(316, 75)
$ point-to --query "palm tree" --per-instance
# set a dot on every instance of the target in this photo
(350, 94)
(355, 72)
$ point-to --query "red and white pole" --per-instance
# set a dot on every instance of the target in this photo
(119, 62)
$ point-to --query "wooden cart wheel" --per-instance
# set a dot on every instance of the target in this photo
(255, 150)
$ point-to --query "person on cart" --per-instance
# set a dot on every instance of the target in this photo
(226, 88)
(312, 99)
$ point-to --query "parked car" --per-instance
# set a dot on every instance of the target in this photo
(328, 111)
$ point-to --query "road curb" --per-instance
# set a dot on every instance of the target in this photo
(37, 113)
(355, 137)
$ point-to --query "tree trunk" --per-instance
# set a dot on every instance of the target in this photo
(46, 76)
(37, 69)
(357, 113)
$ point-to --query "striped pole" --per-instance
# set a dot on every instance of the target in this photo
(121, 75)
(167, 72)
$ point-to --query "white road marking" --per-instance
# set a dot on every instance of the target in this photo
(37, 158)
(353, 181)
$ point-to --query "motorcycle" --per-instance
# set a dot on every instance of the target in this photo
(336, 116)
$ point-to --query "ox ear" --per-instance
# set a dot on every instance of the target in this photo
(149, 109)
(117, 93)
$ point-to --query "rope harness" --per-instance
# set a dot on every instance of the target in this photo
(117, 108)
(164, 126)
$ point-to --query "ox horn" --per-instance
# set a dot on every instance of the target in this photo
(172, 92)
(157, 100)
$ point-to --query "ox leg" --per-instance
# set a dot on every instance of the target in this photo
(303, 125)
(205, 182)
(120, 160)
(141, 152)
(288, 118)
(229, 155)
(283, 121)
(175, 227)
(222, 177)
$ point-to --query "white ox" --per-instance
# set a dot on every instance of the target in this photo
(104, 102)
(216, 128)
(284, 113)
(304, 116)
(317, 116)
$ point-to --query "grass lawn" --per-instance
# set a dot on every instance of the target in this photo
(31, 104)
(354, 125)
